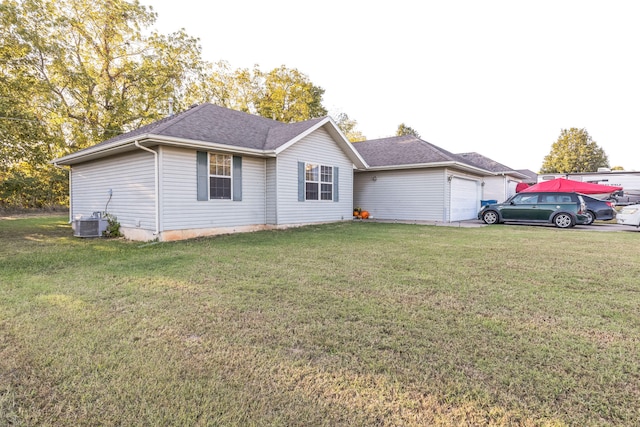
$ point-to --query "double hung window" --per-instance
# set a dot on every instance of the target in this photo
(220, 176)
(318, 182)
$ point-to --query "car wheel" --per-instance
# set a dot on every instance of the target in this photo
(563, 220)
(590, 217)
(490, 217)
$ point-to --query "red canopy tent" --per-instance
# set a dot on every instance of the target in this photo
(521, 186)
(569, 185)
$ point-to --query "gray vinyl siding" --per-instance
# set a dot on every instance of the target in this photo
(494, 188)
(180, 208)
(412, 194)
(272, 191)
(131, 177)
(319, 148)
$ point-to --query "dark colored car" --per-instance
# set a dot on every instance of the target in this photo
(562, 209)
(602, 210)
(626, 197)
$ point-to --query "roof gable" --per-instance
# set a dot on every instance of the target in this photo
(485, 163)
(281, 135)
(209, 124)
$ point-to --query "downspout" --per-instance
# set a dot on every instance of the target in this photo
(70, 192)
(447, 208)
(157, 183)
(505, 186)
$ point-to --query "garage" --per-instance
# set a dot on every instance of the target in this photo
(464, 199)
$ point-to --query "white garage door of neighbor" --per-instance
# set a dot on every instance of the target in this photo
(511, 188)
(464, 199)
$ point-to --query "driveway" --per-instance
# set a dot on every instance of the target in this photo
(475, 223)
(605, 226)
(596, 226)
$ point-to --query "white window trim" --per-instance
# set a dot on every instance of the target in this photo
(319, 182)
(230, 176)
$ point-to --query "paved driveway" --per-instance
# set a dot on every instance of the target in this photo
(474, 223)
(603, 226)
(596, 226)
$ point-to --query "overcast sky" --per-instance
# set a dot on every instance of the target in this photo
(501, 78)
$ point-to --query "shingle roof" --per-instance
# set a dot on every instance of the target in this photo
(215, 124)
(485, 163)
(403, 150)
(279, 135)
(532, 176)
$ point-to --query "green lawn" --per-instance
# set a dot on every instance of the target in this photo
(345, 324)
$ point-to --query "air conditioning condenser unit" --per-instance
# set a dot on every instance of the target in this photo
(93, 226)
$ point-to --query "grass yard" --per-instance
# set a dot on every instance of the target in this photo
(333, 325)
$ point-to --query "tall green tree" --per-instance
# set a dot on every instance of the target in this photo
(221, 85)
(574, 151)
(76, 72)
(348, 128)
(283, 94)
(287, 95)
(403, 129)
(95, 73)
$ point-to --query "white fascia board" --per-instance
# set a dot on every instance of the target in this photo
(298, 137)
(514, 174)
(337, 135)
(456, 165)
(203, 145)
(95, 152)
(352, 153)
(149, 140)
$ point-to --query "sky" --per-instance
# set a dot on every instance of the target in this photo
(501, 78)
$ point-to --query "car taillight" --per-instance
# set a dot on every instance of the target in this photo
(609, 204)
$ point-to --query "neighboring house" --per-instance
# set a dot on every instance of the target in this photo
(410, 179)
(628, 180)
(532, 177)
(211, 170)
(500, 186)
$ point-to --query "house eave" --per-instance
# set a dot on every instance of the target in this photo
(514, 174)
(456, 165)
(149, 140)
(203, 145)
(97, 152)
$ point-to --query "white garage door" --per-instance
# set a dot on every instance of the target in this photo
(511, 188)
(464, 199)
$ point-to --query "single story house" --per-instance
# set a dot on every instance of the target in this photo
(212, 170)
(408, 178)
